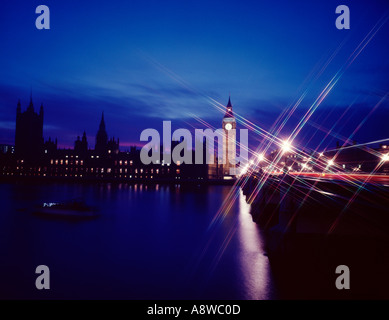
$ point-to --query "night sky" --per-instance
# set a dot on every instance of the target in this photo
(142, 62)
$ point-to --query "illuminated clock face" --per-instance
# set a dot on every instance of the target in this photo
(228, 126)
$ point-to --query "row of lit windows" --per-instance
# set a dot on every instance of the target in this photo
(35, 169)
(136, 171)
(102, 170)
(109, 170)
(80, 175)
(125, 162)
(67, 156)
(81, 162)
(66, 162)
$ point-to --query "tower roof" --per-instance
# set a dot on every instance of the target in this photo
(102, 122)
(84, 136)
(229, 105)
(229, 113)
(101, 137)
(31, 105)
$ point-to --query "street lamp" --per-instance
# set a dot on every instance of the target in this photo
(244, 170)
(286, 146)
(331, 162)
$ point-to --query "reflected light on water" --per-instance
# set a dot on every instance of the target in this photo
(255, 267)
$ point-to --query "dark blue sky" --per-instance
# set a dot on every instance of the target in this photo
(142, 62)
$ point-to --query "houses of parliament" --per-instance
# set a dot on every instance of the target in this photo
(35, 157)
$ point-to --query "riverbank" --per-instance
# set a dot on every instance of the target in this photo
(41, 179)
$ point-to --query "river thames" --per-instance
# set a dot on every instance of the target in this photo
(149, 242)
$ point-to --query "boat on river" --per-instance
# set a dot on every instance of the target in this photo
(74, 209)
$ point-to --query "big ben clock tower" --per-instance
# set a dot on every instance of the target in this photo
(229, 141)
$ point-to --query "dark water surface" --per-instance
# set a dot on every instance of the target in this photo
(150, 242)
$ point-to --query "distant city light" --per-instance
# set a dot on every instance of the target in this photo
(321, 154)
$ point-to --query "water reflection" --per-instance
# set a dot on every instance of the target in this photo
(255, 268)
(149, 243)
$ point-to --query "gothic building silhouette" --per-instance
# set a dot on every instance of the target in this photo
(102, 145)
(81, 146)
(35, 157)
(29, 132)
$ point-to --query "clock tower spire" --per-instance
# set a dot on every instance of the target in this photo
(229, 113)
(229, 141)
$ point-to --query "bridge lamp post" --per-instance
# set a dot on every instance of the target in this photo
(285, 148)
(244, 170)
(260, 157)
(330, 163)
(385, 157)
